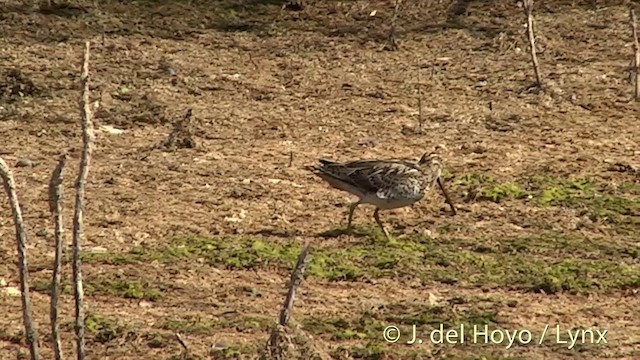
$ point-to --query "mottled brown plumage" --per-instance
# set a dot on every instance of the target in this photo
(386, 184)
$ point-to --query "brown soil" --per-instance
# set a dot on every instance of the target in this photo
(268, 86)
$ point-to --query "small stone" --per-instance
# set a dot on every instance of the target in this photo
(145, 304)
(12, 291)
(97, 250)
(3, 282)
(24, 163)
(111, 130)
(434, 300)
(219, 346)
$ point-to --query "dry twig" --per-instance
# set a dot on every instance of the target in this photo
(636, 54)
(87, 139)
(55, 207)
(281, 342)
(21, 240)
(420, 120)
(182, 342)
(296, 279)
(182, 134)
(393, 43)
(528, 10)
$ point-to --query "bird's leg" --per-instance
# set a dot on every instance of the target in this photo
(352, 208)
(376, 216)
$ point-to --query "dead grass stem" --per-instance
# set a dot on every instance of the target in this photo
(636, 54)
(528, 10)
(55, 207)
(21, 239)
(87, 139)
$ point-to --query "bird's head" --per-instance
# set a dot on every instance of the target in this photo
(432, 161)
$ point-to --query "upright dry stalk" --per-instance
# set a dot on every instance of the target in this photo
(636, 54)
(393, 44)
(288, 341)
(55, 207)
(296, 279)
(528, 10)
(420, 121)
(87, 140)
(21, 241)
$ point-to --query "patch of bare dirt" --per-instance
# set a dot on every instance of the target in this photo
(274, 89)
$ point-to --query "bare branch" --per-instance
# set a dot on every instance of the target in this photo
(393, 43)
(296, 279)
(55, 207)
(21, 240)
(281, 343)
(636, 54)
(528, 10)
(182, 134)
(87, 139)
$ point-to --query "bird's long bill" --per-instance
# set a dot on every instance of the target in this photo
(446, 196)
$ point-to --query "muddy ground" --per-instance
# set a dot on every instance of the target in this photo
(200, 237)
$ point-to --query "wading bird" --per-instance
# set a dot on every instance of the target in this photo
(385, 184)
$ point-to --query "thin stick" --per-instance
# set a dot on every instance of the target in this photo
(56, 211)
(636, 53)
(285, 313)
(419, 103)
(528, 10)
(296, 279)
(182, 342)
(21, 240)
(393, 44)
(87, 139)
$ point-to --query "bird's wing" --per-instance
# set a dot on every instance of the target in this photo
(369, 175)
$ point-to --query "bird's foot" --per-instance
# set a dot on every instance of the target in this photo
(390, 239)
(348, 230)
